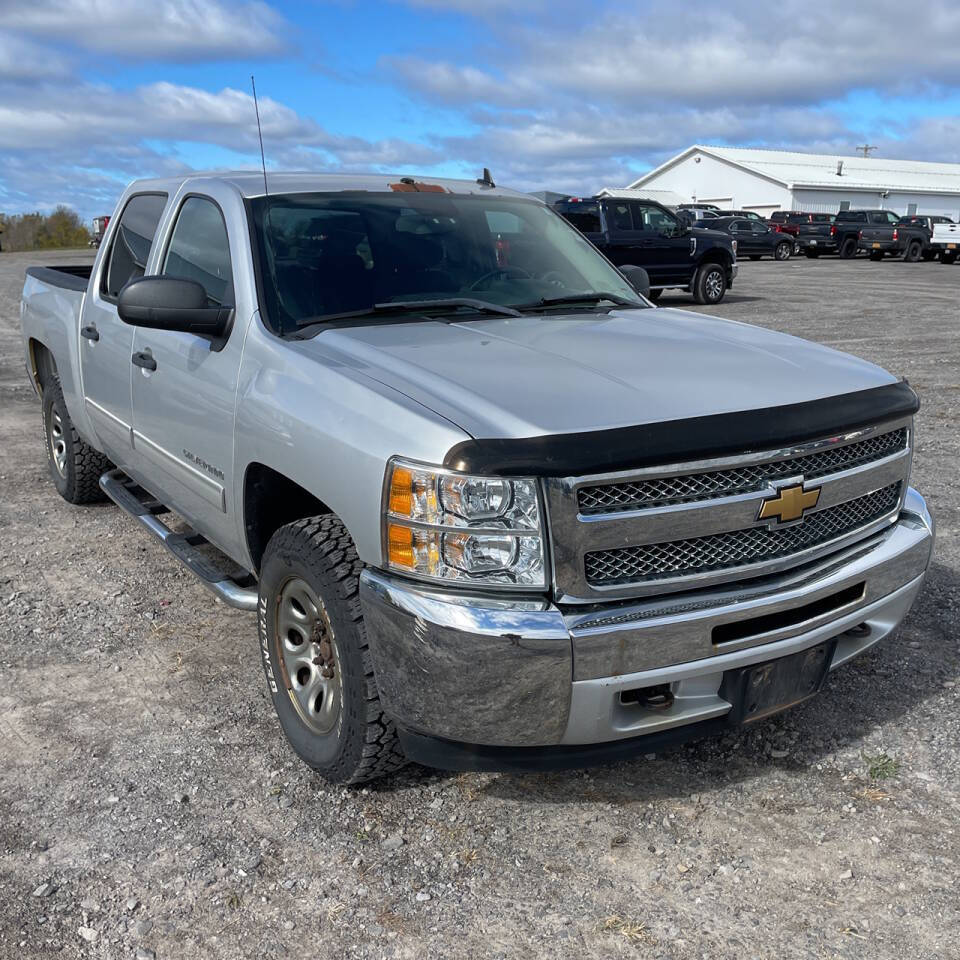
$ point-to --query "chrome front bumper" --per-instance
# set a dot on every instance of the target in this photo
(524, 673)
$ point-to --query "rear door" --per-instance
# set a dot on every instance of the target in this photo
(742, 232)
(183, 408)
(106, 341)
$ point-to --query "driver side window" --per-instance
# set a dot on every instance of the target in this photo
(659, 221)
(199, 250)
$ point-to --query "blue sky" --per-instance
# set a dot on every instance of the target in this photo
(549, 95)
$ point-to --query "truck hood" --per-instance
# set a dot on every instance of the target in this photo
(503, 377)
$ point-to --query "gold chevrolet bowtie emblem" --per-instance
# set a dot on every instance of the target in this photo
(789, 504)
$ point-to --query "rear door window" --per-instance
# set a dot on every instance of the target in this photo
(199, 250)
(584, 216)
(132, 241)
(619, 213)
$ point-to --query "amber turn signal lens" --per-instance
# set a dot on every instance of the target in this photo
(401, 491)
(400, 545)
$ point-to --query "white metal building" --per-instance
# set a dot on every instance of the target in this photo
(746, 178)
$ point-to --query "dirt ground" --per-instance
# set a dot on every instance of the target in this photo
(149, 805)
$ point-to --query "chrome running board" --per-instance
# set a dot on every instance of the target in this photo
(135, 501)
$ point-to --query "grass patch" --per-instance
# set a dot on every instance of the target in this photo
(881, 766)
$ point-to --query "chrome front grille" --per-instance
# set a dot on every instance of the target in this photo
(680, 526)
(739, 547)
(687, 488)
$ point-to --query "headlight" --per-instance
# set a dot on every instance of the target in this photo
(447, 526)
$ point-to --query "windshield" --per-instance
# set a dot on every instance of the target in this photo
(326, 254)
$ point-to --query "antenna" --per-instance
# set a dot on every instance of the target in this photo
(263, 162)
(486, 180)
(865, 149)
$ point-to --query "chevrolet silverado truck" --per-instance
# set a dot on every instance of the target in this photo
(945, 240)
(645, 234)
(882, 236)
(490, 509)
(847, 231)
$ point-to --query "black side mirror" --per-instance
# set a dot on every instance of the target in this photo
(637, 277)
(169, 303)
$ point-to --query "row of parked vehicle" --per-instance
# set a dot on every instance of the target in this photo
(878, 233)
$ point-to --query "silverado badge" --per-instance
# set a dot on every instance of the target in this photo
(789, 504)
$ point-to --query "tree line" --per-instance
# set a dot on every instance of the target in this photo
(43, 231)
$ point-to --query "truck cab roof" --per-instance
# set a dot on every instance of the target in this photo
(250, 183)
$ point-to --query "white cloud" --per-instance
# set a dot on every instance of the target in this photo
(164, 29)
(85, 143)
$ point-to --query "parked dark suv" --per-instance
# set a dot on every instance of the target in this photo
(645, 234)
(755, 239)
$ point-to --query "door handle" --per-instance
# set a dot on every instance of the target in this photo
(90, 332)
(145, 360)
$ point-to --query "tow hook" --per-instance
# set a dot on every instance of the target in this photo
(659, 697)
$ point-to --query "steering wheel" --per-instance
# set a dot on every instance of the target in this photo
(517, 273)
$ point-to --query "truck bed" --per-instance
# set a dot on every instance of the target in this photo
(70, 277)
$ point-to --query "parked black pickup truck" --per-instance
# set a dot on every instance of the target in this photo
(919, 246)
(849, 224)
(815, 234)
(645, 234)
(881, 237)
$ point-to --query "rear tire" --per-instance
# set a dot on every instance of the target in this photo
(75, 467)
(783, 251)
(848, 249)
(913, 252)
(710, 283)
(316, 656)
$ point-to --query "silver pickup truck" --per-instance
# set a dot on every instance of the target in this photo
(492, 508)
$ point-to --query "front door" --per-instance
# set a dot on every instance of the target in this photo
(630, 244)
(184, 385)
(669, 237)
(105, 340)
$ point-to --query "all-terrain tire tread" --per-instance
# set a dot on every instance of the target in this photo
(381, 753)
(88, 465)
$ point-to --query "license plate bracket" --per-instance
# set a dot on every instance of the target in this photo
(763, 689)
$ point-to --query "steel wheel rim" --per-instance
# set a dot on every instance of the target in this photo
(713, 285)
(308, 656)
(58, 443)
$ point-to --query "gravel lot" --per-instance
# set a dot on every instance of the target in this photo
(149, 805)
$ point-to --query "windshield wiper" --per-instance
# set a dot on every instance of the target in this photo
(576, 298)
(411, 306)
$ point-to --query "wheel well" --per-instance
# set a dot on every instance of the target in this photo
(716, 256)
(271, 500)
(43, 366)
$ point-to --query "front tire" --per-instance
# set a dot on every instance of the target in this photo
(782, 251)
(75, 467)
(710, 283)
(316, 657)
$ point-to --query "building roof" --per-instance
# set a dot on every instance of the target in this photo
(249, 183)
(820, 170)
(667, 197)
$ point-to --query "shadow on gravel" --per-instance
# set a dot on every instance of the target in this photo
(882, 686)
